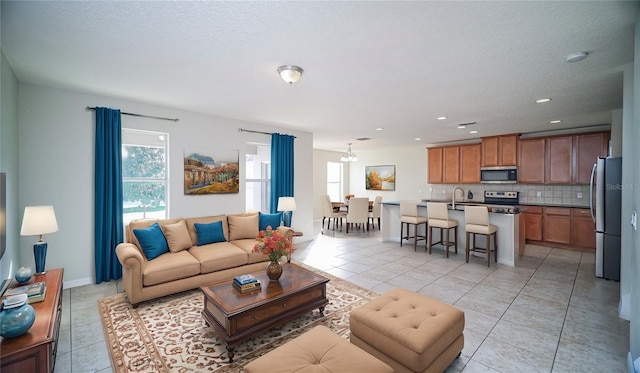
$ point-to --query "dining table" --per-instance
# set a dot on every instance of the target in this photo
(344, 206)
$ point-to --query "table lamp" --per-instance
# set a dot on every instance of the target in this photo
(286, 204)
(39, 220)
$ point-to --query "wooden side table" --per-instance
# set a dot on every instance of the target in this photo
(35, 351)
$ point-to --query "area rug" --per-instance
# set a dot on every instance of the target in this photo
(169, 335)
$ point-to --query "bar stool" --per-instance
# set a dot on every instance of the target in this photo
(438, 217)
(409, 216)
(477, 222)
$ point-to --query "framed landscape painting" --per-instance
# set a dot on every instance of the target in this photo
(211, 172)
(380, 177)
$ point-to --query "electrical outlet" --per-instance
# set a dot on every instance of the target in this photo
(430, 189)
(443, 191)
(538, 194)
(579, 195)
(634, 220)
(419, 191)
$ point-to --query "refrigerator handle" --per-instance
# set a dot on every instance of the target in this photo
(591, 196)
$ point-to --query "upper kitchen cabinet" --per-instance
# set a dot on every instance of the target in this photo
(531, 168)
(588, 147)
(451, 165)
(434, 161)
(499, 150)
(559, 160)
(469, 165)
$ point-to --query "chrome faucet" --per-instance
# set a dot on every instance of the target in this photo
(453, 196)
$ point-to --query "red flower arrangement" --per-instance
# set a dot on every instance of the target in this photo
(273, 244)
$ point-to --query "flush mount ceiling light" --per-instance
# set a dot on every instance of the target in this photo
(290, 73)
(555, 121)
(349, 156)
(441, 118)
(575, 57)
(474, 131)
(543, 100)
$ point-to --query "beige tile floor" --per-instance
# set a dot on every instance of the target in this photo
(548, 314)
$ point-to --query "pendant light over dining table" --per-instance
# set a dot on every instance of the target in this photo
(290, 73)
(349, 156)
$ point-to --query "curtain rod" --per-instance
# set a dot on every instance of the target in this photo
(264, 133)
(140, 115)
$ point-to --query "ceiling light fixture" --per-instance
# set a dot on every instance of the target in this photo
(474, 131)
(379, 129)
(349, 156)
(290, 73)
(543, 100)
(462, 126)
(417, 139)
(578, 56)
(555, 121)
(441, 118)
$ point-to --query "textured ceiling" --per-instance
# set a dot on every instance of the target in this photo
(395, 65)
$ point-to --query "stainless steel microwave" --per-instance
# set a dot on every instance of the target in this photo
(499, 175)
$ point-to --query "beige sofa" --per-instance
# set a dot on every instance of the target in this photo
(186, 265)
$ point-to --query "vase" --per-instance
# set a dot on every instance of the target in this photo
(23, 275)
(16, 321)
(274, 271)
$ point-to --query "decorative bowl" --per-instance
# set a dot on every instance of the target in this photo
(24, 274)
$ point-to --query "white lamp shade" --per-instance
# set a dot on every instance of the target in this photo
(38, 220)
(286, 204)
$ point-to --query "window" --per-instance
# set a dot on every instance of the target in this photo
(258, 177)
(144, 175)
(334, 181)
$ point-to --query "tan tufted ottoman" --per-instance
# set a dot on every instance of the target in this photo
(318, 350)
(408, 331)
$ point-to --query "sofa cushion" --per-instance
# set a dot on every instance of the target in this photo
(247, 245)
(218, 256)
(152, 241)
(206, 220)
(209, 233)
(272, 220)
(169, 267)
(177, 236)
(243, 226)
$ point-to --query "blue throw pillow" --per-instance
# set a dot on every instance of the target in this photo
(272, 220)
(209, 233)
(152, 241)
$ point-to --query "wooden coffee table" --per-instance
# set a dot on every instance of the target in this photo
(236, 317)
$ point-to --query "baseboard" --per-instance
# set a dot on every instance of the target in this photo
(78, 282)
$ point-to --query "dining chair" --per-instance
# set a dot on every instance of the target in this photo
(376, 211)
(438, 217)
(409, 216)
(477, 222)
(330, 213)
(358, 212)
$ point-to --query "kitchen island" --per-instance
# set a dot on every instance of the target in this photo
(510, 230)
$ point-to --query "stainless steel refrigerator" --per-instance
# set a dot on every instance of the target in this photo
(606, 202)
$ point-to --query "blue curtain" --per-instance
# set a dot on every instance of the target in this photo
(108, 194)
(281, 168)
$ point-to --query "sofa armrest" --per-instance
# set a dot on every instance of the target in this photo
(132, 262)
(286, 232)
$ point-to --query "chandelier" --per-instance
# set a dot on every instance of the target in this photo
(349, 156)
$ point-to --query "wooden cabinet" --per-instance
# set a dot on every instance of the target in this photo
(470, 164)
(533, 223)
(557, 225)
(499, 150)
(531, 168)
(583, 229)
(451, 165)
(35, 351)
(588, 147)
(558, 160)
(434, 160)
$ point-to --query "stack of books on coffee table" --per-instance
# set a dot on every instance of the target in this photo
(246, 283)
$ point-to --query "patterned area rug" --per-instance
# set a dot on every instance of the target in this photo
(169, 335)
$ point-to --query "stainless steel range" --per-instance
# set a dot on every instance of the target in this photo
(505, 201)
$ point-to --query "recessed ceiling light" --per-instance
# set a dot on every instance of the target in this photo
(417, 139)
(441, 118)
(578, 56)
(543, 100)
(379, 129)
(462, 126)
(474, 131)
(555, 121)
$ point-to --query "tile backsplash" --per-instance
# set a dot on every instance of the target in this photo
(558, 195)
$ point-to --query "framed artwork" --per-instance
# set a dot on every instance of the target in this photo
(211, 172)
(380, 177)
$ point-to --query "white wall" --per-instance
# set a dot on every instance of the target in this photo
(9, 164)
(320, 159)
(56, 150)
